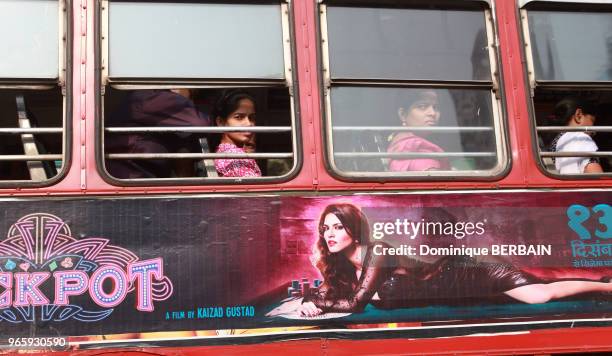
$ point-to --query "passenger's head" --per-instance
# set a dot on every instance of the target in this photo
(235, 107)
(341, 228)
(420, 109)
(572, 111)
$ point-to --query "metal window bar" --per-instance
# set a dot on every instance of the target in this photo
(197, 155)
(199, 129)
(574, 128)
(576, 154)
(39, 157)
(413, 154)
(414, 128)
(30, 130)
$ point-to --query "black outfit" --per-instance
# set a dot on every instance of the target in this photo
(451, 280)
(152, 108)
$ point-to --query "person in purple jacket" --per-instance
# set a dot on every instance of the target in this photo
(154, 108)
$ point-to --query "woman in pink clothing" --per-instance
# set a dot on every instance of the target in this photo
(422, 112)
(236, 108)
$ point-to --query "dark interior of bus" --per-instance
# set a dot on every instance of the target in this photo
(44, 108)
(375, 107)
(41, 108)
(544, 103)
(272, 109)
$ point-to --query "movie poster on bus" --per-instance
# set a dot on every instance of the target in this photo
(207, 266)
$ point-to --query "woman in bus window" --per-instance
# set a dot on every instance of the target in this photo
(236, 108)
(575, 112)
(355, 273)
(422, 111)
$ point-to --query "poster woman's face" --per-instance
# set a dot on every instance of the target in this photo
(335, 235)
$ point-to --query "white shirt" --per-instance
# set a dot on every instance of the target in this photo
(574, 142)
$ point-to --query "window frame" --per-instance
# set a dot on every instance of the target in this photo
(533, 83)
(289, 83)
(495, 86)
(63, 82)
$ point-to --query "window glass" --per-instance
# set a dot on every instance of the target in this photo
(382, 43)
(29, 39)
(194, 40)
(410, 130)
(574, 130)
(572, 120)
(30, 109)
(166, 128)
(233, 121)
(32, 106)
(571, 46)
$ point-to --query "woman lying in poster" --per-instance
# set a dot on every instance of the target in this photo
(354, 276)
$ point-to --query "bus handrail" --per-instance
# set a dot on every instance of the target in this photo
(199, 129)
(197, 155)
(44, 157)
(576, 154)
(415, 128)
(574, 128)
(414, 154)
(31, 130)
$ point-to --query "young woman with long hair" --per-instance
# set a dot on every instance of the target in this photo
(354, 275)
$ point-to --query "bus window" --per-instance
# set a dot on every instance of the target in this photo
(176, 73)
(32, 103)
(402, 104)
(570, 74)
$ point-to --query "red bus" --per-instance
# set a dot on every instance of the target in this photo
(332, 176)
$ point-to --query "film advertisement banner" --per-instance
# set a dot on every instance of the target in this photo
(106, 266)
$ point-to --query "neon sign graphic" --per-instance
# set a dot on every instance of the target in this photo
(40, 258)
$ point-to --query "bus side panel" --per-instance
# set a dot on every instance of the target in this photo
(198, 265)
